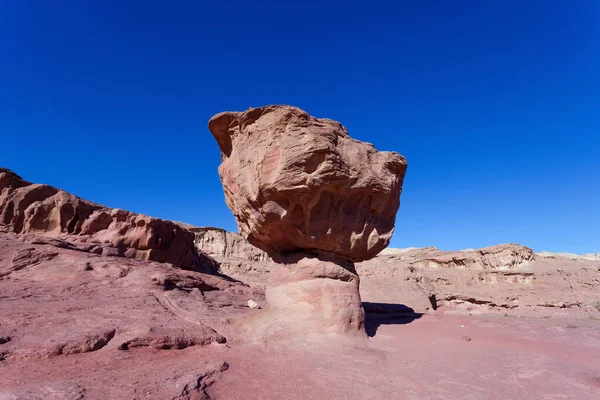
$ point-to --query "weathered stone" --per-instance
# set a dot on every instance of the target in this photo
(299, 183)
(311, 299)
(27, 208)
(220, 243)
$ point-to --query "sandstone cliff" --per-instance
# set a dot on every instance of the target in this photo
(43, 210)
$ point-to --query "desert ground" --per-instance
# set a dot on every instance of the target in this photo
(77, 325)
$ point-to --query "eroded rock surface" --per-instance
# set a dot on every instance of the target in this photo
(43, 210)
(499, 279)
(499, 257)
(310, 299)
(220, 243)
(75, 324)
(316, 201)
(299, 183)
(506, 278)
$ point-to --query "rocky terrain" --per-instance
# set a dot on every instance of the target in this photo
(47, 211)
(498, 279)
(502, 279)
(79, 325)
(220, 243)
(100, 303)
(589, 256)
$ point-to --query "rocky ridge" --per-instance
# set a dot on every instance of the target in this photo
(296, 183)
(43, 210)
(572, 256)
(507, 278)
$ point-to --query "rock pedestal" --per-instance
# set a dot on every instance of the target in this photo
(313, 297)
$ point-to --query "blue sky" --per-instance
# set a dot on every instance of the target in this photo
(495, 104)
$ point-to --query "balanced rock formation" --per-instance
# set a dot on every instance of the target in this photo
(43, 210)
(316, 201)
(426, 278)
(299, 183)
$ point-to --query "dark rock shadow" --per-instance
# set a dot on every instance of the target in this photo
(387, 314)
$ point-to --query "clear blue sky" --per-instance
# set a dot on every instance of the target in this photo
(495, 104)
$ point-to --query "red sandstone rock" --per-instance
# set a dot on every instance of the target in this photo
(299, 183)
(300, 187)
(61, 306)
(77, 323)
(506, 278)
(27, 208)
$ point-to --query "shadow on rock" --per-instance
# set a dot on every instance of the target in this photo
(387, 314)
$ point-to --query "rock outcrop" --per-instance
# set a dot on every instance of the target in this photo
(299, 183)
(572, 256)
(500, 257)
(43, 210)
(426, 278)
(220, 243)
(316, 201)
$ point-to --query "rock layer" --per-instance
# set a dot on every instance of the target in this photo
(500, 257)
(314, 199)
(299, 183)
(43, 210)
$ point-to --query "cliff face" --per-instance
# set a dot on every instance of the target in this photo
(218, 242)
(43, 210)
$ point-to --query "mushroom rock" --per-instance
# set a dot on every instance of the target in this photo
(316, 201)
(299, 183)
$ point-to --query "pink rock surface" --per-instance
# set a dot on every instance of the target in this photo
(299, 183)
(58, 303)
(310, 300)
(44, 210)
(220, 243)
(81, 325)
(78, 325)
(498, 279)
